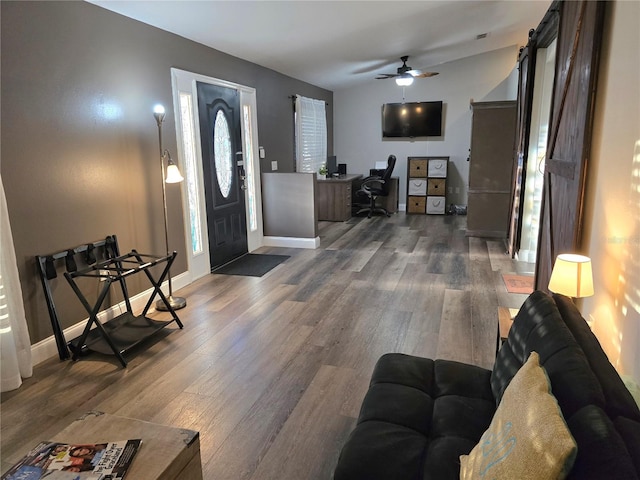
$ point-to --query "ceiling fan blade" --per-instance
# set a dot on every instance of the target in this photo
(425, 74)
(384, 76)
(406, 70)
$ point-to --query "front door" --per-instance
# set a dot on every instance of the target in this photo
(221, 141)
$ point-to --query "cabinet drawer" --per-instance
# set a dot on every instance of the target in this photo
(435, 205)
(436, 187)
(416, 204)
(417, 168)
(437, 167)
(417, 186)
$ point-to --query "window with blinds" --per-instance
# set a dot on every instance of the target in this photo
(311, 134)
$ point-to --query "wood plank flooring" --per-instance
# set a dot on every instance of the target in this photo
(271, 371)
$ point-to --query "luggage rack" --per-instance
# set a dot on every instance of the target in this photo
(120, 334)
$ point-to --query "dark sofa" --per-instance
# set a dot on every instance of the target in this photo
(419, 415)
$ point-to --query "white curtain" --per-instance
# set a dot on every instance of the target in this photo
(311, 134)
(15, 345)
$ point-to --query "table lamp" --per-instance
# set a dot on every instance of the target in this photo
(572, 276)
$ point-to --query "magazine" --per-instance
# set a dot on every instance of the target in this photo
(63, 461)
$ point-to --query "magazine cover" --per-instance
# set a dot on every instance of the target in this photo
(62, 461)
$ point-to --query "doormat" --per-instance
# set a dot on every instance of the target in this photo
(518, 283)
(252, 265)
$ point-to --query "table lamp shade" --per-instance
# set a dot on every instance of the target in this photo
(572, 276)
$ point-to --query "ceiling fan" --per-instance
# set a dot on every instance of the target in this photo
(405, 74)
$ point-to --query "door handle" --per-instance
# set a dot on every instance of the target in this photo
(241, 172)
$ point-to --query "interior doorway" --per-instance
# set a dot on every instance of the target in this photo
(538, 135)
(196, 212)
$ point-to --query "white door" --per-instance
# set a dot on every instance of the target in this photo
(190, 159)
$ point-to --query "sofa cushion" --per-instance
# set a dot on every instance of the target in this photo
(528, 437)
(602, 453)
(382, 450)
(417, 418)
(538, 327)
(619, 400)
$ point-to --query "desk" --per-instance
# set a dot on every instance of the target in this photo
(334, 197)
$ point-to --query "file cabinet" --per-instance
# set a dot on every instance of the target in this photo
(334, 198)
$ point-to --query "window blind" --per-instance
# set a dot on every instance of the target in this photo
(311, 134)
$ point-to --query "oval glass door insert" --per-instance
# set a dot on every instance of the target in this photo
(222, 153)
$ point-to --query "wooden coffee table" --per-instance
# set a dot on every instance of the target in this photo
(505, 319)
(166, 453)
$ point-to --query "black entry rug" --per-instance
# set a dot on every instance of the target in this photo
(252, 265)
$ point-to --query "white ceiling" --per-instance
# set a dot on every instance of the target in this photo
(337, 44)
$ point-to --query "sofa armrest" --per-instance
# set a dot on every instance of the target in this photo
(619, 400)
(602, 452)
(538, 327)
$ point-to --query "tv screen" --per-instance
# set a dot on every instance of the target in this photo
(413, 119)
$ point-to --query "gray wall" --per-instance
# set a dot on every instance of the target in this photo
(79, 142)
(358, 111)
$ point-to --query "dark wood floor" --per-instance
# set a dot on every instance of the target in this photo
(272, 370)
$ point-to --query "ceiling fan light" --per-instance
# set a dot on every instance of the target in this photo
(404, 80)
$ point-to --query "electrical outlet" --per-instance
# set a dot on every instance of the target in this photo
(274, 165)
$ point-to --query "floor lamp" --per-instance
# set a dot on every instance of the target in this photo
(172, 176)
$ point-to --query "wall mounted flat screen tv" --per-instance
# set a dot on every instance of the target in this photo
(412, 119)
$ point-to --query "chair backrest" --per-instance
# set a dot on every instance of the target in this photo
(386, 176)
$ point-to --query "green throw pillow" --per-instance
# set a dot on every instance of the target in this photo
(528, 437)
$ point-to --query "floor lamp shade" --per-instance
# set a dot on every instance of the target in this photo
(572, 276)
(173, 174)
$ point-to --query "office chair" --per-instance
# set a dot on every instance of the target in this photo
(377, 186)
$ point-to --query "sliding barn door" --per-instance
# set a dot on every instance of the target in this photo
(519, 174)
(578, 51)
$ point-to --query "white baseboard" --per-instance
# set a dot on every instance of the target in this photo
(402, 207)
(291, 242)
(47, 348)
